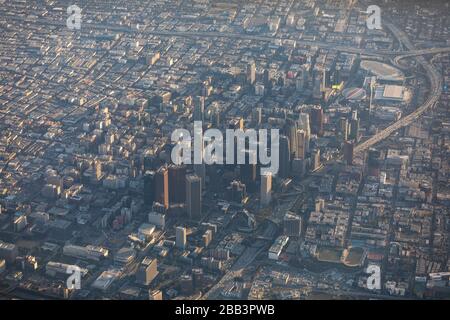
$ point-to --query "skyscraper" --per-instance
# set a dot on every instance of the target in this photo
(301, 144)
(344, 128)
(354, 129)
(251, 72)
(285, 157)
(147, 271)
(199, 108)
(177, 184)
(348, 152)
(149, 188)
(162, 186)
(317, 120)
(291, 133)
(316, 159)
(292, 225)
(304, 124)
(194, 197)
(266, 189)
(180, 240)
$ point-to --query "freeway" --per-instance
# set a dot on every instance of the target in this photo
(320, 44)
(243, 261)
(435, 92)
(216, 34)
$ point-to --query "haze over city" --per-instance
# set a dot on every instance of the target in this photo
(224, 150)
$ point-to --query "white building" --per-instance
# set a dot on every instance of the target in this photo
(180, 241)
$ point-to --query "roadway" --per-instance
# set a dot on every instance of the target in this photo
(216, 34)
(435, 92)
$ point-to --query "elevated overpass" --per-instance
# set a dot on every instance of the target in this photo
(435, 91)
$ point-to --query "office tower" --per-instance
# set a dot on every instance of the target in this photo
(301, 144)
(98, 169)
(251, 72)
(266, 189)
(147, 271)
(318, 85)
(292, 225)
(199, 108)
(157, 219)
(348, 152)
(149, 188)
(343, 128)
(316, 120)
(291, 133)
(304, 124)
(301, 80)
(285, 157)
(194, 197)
(177, 184)
(316, 159)
(207, 238)
(162, 187)
(354, 129)
(180, 234)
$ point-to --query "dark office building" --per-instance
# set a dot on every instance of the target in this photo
(199, 108)
(291, 132)
(285, 157)
(348, 152)
(316, 116)
(147, 271)
(177, 184)
(354, 129)
(292, 225)
(344, 128)
(194, 197)
(149, 188)
(162, 186)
